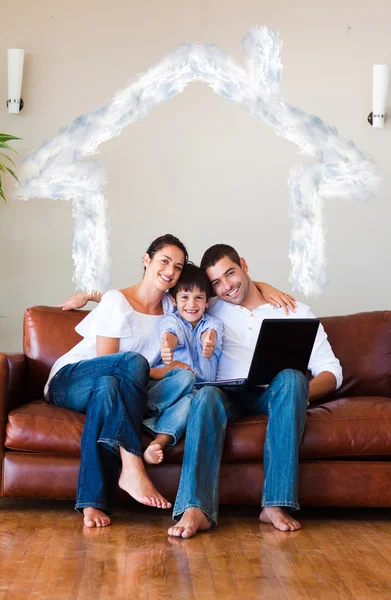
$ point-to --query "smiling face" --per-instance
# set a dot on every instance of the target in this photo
(165, 267)
(191, 305)
(230, 281)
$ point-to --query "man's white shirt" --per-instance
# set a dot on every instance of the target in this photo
(241, 329)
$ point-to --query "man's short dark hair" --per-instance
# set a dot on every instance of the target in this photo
(191, 277)
(216, 253)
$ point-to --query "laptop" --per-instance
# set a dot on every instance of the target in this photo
(281, 344)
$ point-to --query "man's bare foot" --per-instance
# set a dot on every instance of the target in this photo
(136, 482)
(93, 517)
(279, 517)
(192, 520)
(153, 455)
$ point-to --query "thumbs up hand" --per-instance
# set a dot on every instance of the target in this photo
(208, 343)
(168, 345)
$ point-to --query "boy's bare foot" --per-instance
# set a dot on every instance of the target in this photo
(279, 517)
(192, 520)
(153, 455)
(138, 485)
(93, 517)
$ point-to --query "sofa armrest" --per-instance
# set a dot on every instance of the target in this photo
(12, 383)
(12, 386)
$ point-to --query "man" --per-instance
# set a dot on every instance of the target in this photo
(242, 308)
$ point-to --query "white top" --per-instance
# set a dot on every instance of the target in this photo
(241, 329)
(115, 318)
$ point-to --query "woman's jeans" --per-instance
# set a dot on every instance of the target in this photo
(111, 391)
(285, 403)
(168, 403)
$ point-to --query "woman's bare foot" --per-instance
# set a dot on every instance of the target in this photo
(93, 517)
(153, 455)
(279, 517)
(135, 481)
(192, 520)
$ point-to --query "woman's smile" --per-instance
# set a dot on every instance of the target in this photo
(165, 278)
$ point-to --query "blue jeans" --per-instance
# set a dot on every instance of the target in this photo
(111, 391)
(168, 403)
(285, 403)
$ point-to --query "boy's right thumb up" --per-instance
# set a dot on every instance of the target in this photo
(166, 351)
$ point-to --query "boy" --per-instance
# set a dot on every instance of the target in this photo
(194, 338)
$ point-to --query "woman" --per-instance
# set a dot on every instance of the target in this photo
(106, 375)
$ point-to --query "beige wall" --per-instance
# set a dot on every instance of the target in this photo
(197, 166)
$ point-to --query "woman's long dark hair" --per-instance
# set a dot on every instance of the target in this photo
(166, 240)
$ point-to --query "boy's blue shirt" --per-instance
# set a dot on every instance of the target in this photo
(189, 348)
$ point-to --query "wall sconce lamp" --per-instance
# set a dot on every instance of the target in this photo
(15, 74)
(381, 76)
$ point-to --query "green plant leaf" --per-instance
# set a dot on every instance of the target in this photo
(8, 158)
(1, 191)
(8, 170)
(7, 147)
(5, 137)
(11, 172)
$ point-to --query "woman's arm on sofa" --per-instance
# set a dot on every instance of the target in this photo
(80, 299)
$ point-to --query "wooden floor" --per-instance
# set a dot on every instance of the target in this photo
(46, 553)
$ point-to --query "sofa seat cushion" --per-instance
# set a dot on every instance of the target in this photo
(349, 427)
(356, 427)
(45, 428)
(41, 427)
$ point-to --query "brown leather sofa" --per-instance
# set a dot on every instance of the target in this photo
(345, 453)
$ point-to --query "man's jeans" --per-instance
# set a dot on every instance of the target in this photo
(169, 401)
(111, 390)
(285, 403)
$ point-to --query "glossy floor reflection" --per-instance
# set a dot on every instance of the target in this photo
(46, 553)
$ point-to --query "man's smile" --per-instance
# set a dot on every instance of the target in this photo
(233, 292)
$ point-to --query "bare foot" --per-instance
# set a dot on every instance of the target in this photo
(192, 520)
(136, 482)
(279, 517)
(153, 455)
(93, 517)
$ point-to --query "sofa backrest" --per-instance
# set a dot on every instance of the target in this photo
(48, 333)
(362, 342)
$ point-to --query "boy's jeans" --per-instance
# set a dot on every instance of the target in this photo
(169, 401)
(111, 390)
(285, 403)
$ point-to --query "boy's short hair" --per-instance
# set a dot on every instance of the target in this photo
(216, 253)
(191, 277)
